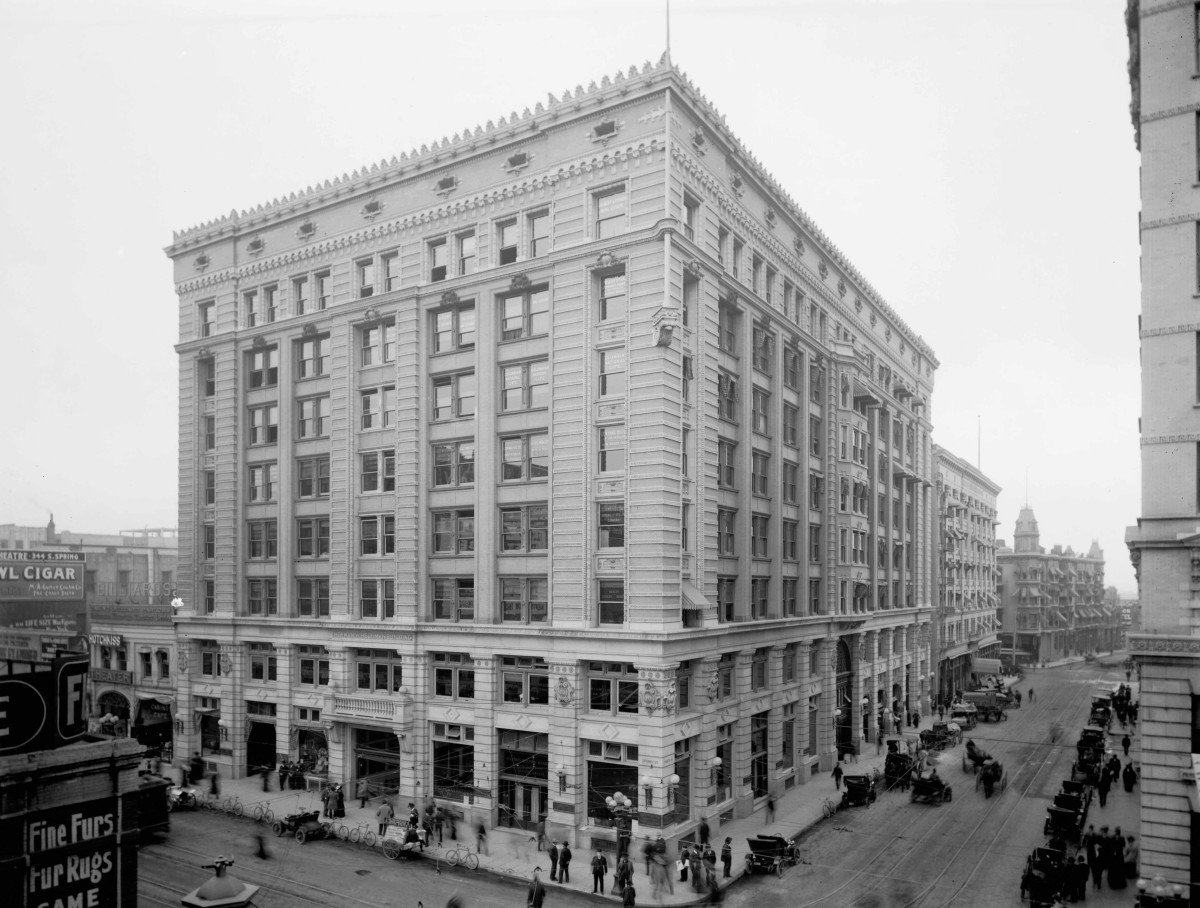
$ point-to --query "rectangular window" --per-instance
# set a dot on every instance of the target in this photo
(312, 597)
(610, 212)
(210, 596)
(377, 535)
(761, 402)
(378, 669)
(263, 596)
(391, 270)
(525, 314)
(816, 384)
(726, 521)
(727, 327)
(722, 244)
(378, 407)
(313, 477)
(264, 425)
(758, 669)
(377, 598)
(691, 216)
(454, 532)
(262, 539)
(687, 379)
(524, 458)
(313, 357)
(726, 464)
(814, 596)
(454, 396)
(760, 464)
(539, 233)
(454, 329)
(790, 540)
(507, 241)
(439, 260)
(205, 312)
(524, 528)
(454, 464)
(791, 490)
(378, 471)
(525, 679)
(312, 417)
(210, 542)
(264, 368)
(816, 491)
(612, 373)
(611, 602)
(612, 298)
(764, 349)
(612, 449)
(685, 445)
(791, 426)
(208, 377)
(377, 345)
(524, 386)
(466, 253)
(814, 436)
(250, 308)
(261, 486)
(300, 295)
(814, 543)
(685, 522)
(313, 664)
(453, 676)
(146, 662)
(453, 599)
(759, 529)
(210, 487)
(756, 269)
(790, 604)
(164, 664)
(365, 272)
(524, 600)
(312, 537)
(612, 524)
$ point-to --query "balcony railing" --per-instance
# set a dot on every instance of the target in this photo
(363, 706)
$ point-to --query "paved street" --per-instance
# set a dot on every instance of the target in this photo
(967, 851)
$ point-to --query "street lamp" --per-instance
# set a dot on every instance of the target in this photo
(621, 807)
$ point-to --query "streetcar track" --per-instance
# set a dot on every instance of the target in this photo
(1022, 787)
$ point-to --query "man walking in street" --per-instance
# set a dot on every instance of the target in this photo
(384, 815)
(363, 793)
(1125, 742)
(1103, 786)
(564, 863)
(537, 893)
(837, 775)
(553, 853)
(727, 855)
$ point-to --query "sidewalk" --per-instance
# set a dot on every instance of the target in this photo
(513, 854)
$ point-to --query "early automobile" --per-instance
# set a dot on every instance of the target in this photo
(929, 787)
(305, 825)
(860, 791)
(770, 854)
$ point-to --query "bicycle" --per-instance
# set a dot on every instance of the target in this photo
(829, 807)
(233, 805)
(461, 854)
(359, 834)
(263, 814)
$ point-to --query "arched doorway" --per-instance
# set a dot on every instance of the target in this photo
(114, 704)
(843, 713)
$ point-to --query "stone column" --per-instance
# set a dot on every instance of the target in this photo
(568, 769)
(656, 743)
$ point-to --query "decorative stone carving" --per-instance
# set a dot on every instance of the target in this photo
(737, 184)
(310, 330)
(259, 342)
(449, 298)
(605, 259)
(699, 142)
(446, 186)
(887, 335)
(226, 664)
(692, 268)
(306, 231)
(798, 246)
(564, 693)
(201, 261)
(519, 283)
(664, 322)
(823, 270)
(256, 246)
(841, 288)
(371, 315)
(769, 216)
(604, 131)
(183, 661)
(874, 319)
(713, 689)
(204, 353)
(518, 161)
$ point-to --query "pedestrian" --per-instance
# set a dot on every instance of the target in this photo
(384, 815)
(695, 870)
(599, 869)
(623, 874)
(659, 877)
(266, 778)
(1125, 742)
(1103, 786)
(413, 819)
(262, 854)
(537, 893)
(941, 711)
(480, 837)
(541, 832)
(214, 784)
(1077, 878)
(704, 831)
(837, 776)
(710, 867)
(1131, 858)
(553, 854)
(439, 820)
(564, 863)
(1096, 854)
(684, 863)
(1031, 696)
(1129, 776)
(363, 793)
(196, 773)
(648, 854)
(727, 855)
(916, 718)
(339, 803)
(629, 896)
(283, 774)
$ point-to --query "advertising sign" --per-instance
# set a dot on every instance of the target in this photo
(43, 709)
(73, 855)
(41, 575)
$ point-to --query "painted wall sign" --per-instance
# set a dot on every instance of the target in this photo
(27, 575)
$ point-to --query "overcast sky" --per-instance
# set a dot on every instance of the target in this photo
(973, 158)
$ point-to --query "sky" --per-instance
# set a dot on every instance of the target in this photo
(974, 159)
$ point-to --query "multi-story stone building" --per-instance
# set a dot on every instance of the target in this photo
(562, 458)
(129, 580)
(966, 631)
(1165, 544)
(1052, 603)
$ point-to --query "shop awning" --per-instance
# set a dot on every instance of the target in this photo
(983, 666)
(693, 599)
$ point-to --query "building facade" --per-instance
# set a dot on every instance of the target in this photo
(966, 630)
(1053, 603)
(129, 580)
(563, 458)
(1165, 544)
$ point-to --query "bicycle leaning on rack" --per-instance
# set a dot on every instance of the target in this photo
(233, 805)
(263, 813)
(360, 834)
(829, 807)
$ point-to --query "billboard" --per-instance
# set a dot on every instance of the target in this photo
(74, 856)
(43, 709)
(31, 576)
